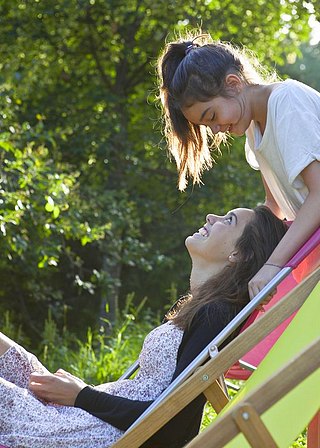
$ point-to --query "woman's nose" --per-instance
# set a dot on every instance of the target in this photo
(211, 219)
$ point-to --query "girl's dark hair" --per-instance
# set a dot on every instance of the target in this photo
(190, 71)
(258, 240)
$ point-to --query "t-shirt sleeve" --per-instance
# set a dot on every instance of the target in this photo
(250, 156)
(297, 126)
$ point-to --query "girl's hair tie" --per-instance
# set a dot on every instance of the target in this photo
(190, 47)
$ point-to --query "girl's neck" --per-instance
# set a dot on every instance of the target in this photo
(259, 96)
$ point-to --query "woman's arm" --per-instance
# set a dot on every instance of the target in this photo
(117, 411)
(122, 412)
(306, 222)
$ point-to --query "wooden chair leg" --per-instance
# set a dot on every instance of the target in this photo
(216, 396)
(252, 427)
(313, 434)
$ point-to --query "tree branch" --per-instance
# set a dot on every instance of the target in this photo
(90, 22)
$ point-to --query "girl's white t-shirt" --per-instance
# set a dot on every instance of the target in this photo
(291, 141)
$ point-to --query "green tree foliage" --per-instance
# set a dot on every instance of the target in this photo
(89, 206)
(305, 67)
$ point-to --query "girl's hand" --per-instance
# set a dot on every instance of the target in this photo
(260, 280)
(60, 388)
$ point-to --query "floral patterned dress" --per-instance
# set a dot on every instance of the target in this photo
(26, 422)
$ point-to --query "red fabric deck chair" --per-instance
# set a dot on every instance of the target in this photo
(300, 268)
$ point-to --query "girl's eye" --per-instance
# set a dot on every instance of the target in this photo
(228, 220)
(213, 117)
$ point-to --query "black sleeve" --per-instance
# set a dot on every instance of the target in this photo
(119, 412)
(122, 412)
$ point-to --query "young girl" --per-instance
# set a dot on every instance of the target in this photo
(225, 253)
(210, 90)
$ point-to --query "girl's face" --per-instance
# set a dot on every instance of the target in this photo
(215, 241)
(220, 114)
(224, 114)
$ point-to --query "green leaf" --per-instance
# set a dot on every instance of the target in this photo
(50, 204)
(56, 211)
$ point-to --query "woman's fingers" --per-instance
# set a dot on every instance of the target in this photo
(40, 384)
(60, 388)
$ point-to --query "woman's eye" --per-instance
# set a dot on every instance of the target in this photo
(228, 220)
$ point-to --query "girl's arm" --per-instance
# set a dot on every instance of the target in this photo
(64, 388)
(306, 222)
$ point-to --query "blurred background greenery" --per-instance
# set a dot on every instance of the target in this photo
(92, 226)
(89, 210)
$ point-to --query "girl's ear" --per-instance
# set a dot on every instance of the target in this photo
(233, 257)
(233, 82)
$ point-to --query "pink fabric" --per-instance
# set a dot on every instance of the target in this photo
(256, 355)
(305, 250)
(313, 434)
(308, 265)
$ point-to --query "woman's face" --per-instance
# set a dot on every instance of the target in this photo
(215, 241)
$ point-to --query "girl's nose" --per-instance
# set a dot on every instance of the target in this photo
(215, 128)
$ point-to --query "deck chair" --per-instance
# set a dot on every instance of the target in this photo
(204, 378)
(281, 396)
(243, 369)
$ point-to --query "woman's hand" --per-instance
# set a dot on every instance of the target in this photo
(260, 280)
(60, 387)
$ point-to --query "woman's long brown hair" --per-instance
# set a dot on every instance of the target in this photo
(230, 287)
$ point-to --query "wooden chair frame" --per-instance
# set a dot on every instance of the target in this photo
(245, 416)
